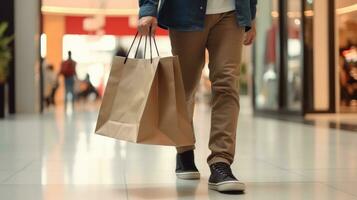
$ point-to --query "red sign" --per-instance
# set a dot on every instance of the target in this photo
(113, 26)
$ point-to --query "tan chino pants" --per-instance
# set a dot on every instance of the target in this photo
(223, 39)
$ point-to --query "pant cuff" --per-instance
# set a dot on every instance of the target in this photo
(185, 148)
(217, 160)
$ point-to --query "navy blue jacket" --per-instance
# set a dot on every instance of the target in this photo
(189, 15)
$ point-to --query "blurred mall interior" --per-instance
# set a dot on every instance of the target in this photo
(297, 134)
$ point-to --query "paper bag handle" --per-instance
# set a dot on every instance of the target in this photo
(137, 48)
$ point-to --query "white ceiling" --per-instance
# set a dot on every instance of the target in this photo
(113, 4)
(90, 7)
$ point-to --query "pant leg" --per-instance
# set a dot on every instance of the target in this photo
(69, 89)
(74, 95)
(224, 45)
(190, 48)
(66, 91)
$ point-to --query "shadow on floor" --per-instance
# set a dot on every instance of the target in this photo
(184, 189)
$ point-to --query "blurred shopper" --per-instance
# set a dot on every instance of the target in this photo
(120, 51)
(68, 70)
(219, 26)
(51, 85)
(348, 76)
(87, 89)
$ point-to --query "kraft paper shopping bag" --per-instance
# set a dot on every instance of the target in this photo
(144, 102)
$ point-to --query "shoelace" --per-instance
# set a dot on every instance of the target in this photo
(223, 169)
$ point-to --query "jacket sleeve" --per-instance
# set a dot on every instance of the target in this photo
(253, 8)
(148, 8)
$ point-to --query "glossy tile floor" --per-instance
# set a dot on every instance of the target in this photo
(57, 156)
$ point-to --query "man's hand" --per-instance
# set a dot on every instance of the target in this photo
(145, 23)
(250, 35)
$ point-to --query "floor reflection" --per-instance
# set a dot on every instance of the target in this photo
(57, 156)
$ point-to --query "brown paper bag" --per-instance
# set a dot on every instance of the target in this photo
(144, 102)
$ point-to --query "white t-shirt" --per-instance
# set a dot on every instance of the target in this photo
(220, 6)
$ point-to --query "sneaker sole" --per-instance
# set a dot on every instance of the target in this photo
(188, 175)
(228, 186)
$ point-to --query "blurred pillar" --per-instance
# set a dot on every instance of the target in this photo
(54, 28)
(321, 56)
(27, 55)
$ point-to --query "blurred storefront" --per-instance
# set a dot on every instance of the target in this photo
(346, 59)
(93, 38)
(305, 57)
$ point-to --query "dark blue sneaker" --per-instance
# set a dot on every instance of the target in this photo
(185, 166)
(223, 180)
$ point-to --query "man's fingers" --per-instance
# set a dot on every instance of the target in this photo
(147, 23)
(153, 29)
(250, 41)
(249, 38)
(143, 30)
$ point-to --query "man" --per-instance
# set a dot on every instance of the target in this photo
(221, 27)
(68, 70)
